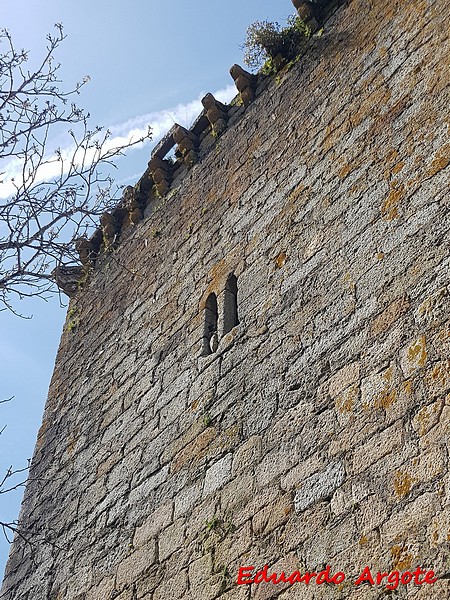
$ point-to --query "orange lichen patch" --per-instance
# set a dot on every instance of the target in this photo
(280, 260)
(402, 560)
(334, 134)
(345, 402)
(389, 208)
(397, 109)
(391, 156)
(220, 272)
(402, 483)
(408, 387)
(441, 372)
(441, 161)
(194, 451)
(381, 95)
(398, 167)
(444, 334)
(427, 417)
(386, 119)
(328, 141)
(394, 170)
(344, 171)
(417, 352)
(387, 375)
(296, 193)
(426, 308)
(385, 398)
(438, 377)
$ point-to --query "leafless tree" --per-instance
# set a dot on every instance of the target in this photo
(12, 479)
(54, 198)
(48, 197)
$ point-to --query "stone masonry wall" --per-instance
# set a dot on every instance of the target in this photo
(317, 433)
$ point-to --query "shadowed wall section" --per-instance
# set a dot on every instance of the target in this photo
(316, 433)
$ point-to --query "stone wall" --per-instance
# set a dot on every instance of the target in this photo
(317, 432)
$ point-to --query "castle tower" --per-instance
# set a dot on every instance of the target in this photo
(257, 370)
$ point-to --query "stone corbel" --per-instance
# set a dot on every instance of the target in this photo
(109, 229)
(161, 173)
(216, 113)
(306, 13)
(245, 83)
(86, 251)
(68, 278)
(132, 206)
(187, 144)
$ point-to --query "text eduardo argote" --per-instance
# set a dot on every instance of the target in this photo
(391, 580)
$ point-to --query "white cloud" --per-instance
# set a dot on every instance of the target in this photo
(135, 128)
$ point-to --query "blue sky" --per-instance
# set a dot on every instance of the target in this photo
(150, 62)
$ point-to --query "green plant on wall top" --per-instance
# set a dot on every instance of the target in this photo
(266, 42)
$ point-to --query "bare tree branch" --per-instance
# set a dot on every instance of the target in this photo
(12, 473)
(6, 400)
(54, 198)
(49, 197)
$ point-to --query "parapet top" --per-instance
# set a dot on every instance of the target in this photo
(185, 144)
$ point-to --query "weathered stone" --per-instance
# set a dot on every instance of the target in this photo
(319, 486)
(380, 445)
(137, 563)
(153, 525)
(68, 279)
(245, 83)
(86, 251)
(171, 539)
(217, 475)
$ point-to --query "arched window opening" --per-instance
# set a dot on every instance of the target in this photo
(230, 308)
(210, 339)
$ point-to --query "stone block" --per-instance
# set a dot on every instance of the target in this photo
(273, 516)
(171, 539)
(379, 446)
(174, 587)
(319, 486)
(131, 568)
(217, 475)
(407, 521)
(187, 498)
(153, 524)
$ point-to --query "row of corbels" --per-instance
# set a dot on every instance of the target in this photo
(159, 174)
(188, 141)
(129, 211)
